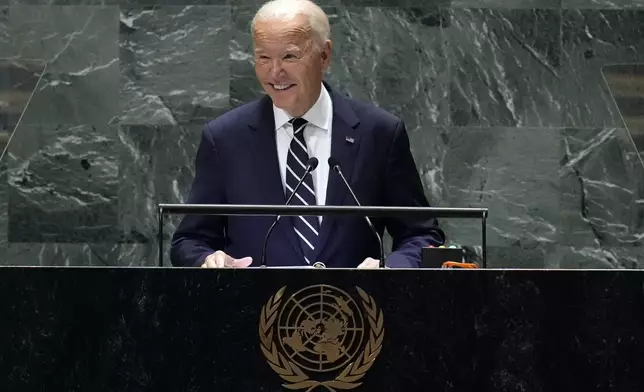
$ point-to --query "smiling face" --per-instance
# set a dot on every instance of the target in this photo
(289, 64)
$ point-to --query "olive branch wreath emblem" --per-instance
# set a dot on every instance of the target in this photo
(294, 376)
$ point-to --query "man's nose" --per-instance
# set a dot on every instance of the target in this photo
(277, 70)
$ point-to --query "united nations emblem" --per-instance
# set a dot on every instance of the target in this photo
(320, 337)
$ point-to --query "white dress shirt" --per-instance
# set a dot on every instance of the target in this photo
(317, 135)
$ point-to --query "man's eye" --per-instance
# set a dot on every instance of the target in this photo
(290, 57)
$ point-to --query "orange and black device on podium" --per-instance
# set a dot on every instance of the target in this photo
(445, 257)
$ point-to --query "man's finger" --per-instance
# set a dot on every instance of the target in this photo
(220, 259)
(369, 263)
(209, 262)
(243, 262)
(215, 260)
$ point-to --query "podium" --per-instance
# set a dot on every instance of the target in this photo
(265, 329)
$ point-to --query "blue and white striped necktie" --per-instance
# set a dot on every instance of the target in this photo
(306, 227)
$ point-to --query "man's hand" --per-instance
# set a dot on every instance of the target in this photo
(369, 263)
(220, 259)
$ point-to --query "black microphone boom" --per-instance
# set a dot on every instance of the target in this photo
(311, 165)
(335, 166)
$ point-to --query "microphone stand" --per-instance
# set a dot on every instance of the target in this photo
(335, 166)
(312, 164)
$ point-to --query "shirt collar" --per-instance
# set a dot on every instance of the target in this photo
(319, 114)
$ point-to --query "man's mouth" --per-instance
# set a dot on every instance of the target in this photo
(282, 87)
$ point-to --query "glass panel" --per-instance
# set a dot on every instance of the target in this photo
(18, 81)
(626, 85)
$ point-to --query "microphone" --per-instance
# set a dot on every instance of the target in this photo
(335, 166)
(311, 165)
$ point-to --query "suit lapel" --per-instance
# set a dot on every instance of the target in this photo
(345, 143)
(263, 150)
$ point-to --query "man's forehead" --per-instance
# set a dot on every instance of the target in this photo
(284, 35)
(290, 42)
(278, 45)
(285, 30)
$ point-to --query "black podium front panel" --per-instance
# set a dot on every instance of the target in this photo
(100, 329)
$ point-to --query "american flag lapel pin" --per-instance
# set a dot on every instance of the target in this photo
(350, 139)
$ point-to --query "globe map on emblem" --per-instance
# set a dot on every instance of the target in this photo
(321, 328)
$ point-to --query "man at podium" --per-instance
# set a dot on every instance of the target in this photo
(300, 136)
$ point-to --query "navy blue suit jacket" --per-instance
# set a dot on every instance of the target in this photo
(237, 163)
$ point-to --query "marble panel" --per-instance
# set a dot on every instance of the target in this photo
(80, 45)
(591, 40)
(601, 180)
(505, 67)
(157, 166)
(174, 64)
(62, 184)
(603, 4)
(514, 4)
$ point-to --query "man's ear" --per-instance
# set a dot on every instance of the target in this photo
(327, 49)
(326, 52)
